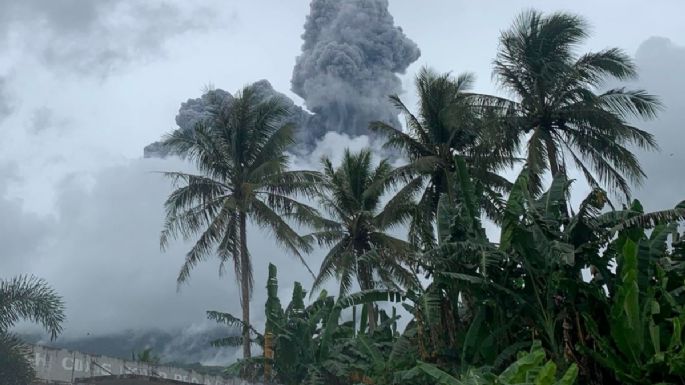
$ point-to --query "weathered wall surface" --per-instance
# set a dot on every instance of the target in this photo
(66, 366)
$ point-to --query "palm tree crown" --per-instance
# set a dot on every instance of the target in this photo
(242, 172)
(558, 105)
(451, 121)
(356, 231)
(31, 299)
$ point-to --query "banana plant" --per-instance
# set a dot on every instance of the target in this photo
(486, 301)
(644, 342)
(455, 314)
(530, 368)
(371, 358)
(307, 343)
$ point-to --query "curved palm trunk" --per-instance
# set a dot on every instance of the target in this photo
(245, 286)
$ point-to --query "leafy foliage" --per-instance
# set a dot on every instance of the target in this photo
(306, 339)
(146, 355)
(31, 299)
(643, 343)
(485, 302)
(15, 368)
(529, 368)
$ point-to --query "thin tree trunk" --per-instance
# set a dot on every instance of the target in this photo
(366, 283)
(372, 317)
(268, 355)
(372, 309)
(245, 286)
(552, 156)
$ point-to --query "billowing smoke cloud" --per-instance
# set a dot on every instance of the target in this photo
(191, 112)
(350, 59)
(351, 54)
(199, 109)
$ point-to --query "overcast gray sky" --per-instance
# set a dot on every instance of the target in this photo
(85, 85)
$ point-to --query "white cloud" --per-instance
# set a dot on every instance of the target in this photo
(660, 63)
(101, 252)
(98, 37)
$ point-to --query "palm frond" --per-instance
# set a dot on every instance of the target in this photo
(231, 321)
(32, 299)
(214, 234)
(398, 140)
(631, 103)
(285, 235)
(331, 264)
(652, 219)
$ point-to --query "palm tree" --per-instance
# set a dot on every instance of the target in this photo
(450, 121)
(25, 298)
(558, 105)
(147, 356)
(356, 230)
(242, 173)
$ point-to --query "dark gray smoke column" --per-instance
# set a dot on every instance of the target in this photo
(351, 54)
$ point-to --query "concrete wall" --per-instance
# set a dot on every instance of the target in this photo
(65, 366)
(127, 379)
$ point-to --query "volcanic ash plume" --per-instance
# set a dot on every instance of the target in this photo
(200, 109)
(351, 54)
(350, 59)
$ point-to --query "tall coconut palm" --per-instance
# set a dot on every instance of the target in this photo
(242, 173)
(356, 230)
(451, 120)
(31, 299)
(559, 105)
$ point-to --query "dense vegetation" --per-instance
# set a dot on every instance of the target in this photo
(30, 299)
(570, 293)
(584, 292)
